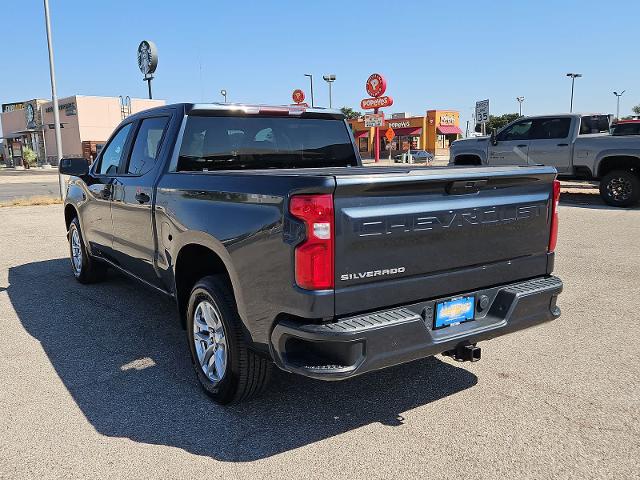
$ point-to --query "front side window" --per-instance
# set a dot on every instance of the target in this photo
(114, 152)
(244, 142)
(517, 131)
(147, 145)
(547, 128)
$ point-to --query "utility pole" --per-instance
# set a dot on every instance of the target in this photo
(54, 95)
(520, 100)
(618, 95)
(573, 79)
(311, 80)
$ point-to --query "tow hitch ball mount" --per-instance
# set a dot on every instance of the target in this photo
(465, 352)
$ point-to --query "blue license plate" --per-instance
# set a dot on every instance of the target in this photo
(455, 311)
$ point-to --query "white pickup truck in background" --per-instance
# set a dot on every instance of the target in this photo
(568, 143)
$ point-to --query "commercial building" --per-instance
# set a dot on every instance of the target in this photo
(432, 132)
(87, 123)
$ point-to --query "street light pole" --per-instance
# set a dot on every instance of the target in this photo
(618, 95)
(311, 80)
(520, 100)
(573, 79)
(329, 79)
(54, 94)
(223, 92)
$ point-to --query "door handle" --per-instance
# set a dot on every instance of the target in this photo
(563, 144)
(142, 197)
(522, 146)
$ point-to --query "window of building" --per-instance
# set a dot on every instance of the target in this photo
(147, 145)
(112, 155)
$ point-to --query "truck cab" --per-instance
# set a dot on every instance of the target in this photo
(578, 146)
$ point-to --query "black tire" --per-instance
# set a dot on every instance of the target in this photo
(246, 373)
(620, 188)
(90, 270)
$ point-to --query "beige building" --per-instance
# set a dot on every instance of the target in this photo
(87, 123)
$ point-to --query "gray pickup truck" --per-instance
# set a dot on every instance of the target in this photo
(572, 143)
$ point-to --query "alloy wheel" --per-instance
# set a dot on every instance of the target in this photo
(210, 341)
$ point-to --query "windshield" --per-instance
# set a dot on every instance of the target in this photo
(243, 142)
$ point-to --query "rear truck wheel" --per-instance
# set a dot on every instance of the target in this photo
(228, 371)
(620, 188)
(84, 268)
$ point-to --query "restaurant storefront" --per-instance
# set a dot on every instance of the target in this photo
(433, 132)
(86, 124)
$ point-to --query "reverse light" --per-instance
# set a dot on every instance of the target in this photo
(314, 256)
(553, 236)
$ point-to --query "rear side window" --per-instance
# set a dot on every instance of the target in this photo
(113, 154)
(627, 129)
(594, 124)
(147, 145)
(241, 142)
(551, 128)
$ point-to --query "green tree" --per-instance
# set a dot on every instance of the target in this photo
(636, 110)
(29, 156)
(350, 113)
(498, 121)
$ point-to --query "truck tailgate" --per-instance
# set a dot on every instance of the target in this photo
(402, 237)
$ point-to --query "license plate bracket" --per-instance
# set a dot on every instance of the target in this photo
(454, 311)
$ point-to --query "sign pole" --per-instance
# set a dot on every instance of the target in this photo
(377, 140)
(54, 98)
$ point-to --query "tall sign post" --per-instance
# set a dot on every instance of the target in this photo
(376, 86)
(482, 114)
(147, 61)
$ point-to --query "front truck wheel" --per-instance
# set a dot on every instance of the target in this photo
(226, 368)
(620, 188)
(85, 268)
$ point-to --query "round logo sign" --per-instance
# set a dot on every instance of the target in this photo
(147, 57)
(30, 113)
(298, 96)
(376, 85)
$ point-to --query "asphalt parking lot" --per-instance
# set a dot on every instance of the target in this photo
(97, 382)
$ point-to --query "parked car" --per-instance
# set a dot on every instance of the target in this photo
(566, 142)
(626, 127)
(278, 246)
(419, 156)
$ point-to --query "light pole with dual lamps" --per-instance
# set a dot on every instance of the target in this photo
(520, 100)
(329, 79)
(573, 79)
(618, 95)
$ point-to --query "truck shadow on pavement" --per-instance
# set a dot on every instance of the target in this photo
(588, 200)
(122, 355)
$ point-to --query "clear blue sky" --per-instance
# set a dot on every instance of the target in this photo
(434, 54)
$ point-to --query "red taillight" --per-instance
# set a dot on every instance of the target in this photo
(314, 256)
(553, 236)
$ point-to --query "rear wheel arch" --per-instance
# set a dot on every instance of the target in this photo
(194, 262)
(619, 162)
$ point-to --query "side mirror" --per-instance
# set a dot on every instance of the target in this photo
(494, 139)
(77, 167)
